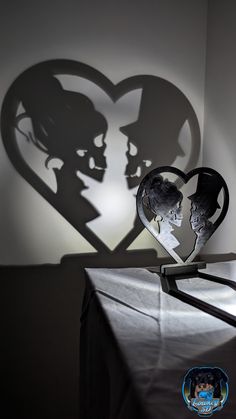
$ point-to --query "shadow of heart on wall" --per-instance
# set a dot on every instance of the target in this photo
(84, 144)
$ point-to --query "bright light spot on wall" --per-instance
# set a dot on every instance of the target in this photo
(118, 208)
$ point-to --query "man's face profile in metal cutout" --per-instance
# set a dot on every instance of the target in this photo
(67, 126)
(204, 204)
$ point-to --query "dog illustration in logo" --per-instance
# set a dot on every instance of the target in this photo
(205, 390)
(206, 382)
(204, 385)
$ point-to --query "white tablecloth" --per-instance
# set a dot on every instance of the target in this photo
(145, 341)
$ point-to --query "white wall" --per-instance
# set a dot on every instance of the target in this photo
(219, 149)
(161, 37)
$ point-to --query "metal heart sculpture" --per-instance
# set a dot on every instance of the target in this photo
(64, 123)
(164, 200)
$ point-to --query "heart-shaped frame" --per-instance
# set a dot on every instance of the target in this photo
(70, 212)
(144, 192)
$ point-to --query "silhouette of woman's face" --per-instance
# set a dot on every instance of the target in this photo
(71, 130)
(164, 200)
(91, 160)
(174, 215)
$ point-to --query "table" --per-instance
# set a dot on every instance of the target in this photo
(137, 343)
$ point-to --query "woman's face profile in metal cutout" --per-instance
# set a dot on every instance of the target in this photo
(164, 200)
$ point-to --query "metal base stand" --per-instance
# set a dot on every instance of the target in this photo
(171, 274)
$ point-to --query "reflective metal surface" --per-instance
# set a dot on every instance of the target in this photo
(164, 200)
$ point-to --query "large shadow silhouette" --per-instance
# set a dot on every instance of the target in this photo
(66, 126)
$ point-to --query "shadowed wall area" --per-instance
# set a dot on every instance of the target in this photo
(93, 96)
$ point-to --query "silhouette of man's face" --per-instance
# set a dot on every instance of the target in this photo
(153, 139)
(204, 202)
(139, 162)
(200, 213)
(145, 152)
